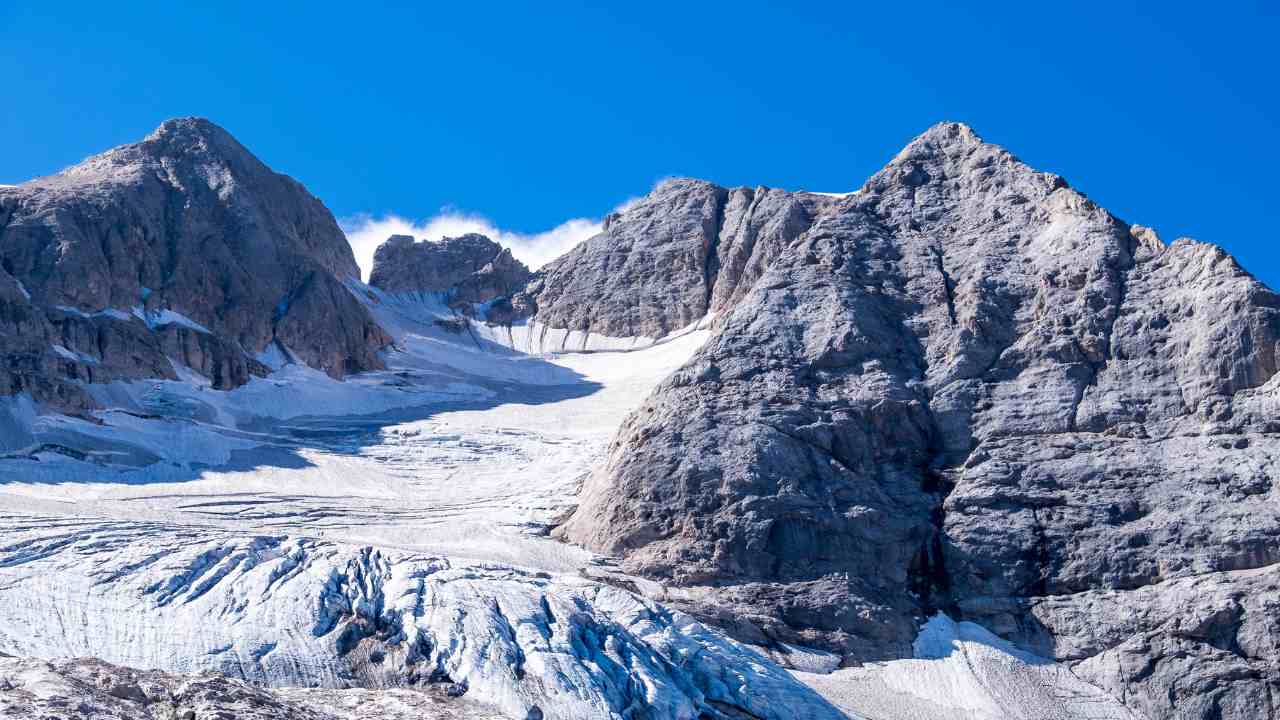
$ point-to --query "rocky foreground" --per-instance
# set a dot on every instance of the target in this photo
(89, 689)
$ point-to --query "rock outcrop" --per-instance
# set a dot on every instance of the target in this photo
(965, 387)
(184, 248)
(687, 249)
(470, 269)
(90, 689)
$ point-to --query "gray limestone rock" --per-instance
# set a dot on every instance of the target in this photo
(219, 256)
(965, 387)
(471, 269)
(688, 248)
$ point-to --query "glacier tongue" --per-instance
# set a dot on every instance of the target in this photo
(262, 534)
(295, 611)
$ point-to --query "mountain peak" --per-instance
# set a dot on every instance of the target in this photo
(471, 267)
(950, 132)
(189, 142)
(188, 126)
(197, 138)
(944, 138)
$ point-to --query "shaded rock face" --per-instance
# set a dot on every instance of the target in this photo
(968, 388)
(220, 255)
(688, 248)
(471, 269)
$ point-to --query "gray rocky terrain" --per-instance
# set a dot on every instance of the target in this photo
(965, 387)
(688, 248)
(90, 689)
(471, 269)
(184, 248)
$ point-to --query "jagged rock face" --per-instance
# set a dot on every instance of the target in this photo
(471, 269)
(187, 222)
(968, 387)
(688, 248)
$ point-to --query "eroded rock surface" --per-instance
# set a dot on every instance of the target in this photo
(967, 387)
(184, 248)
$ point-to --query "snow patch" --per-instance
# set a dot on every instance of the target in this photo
(113, 313)
(831, 194)
(962, 671)
(274, 356)
(158, 318)
(73, 356)
(535, 338)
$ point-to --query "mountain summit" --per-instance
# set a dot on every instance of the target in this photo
(964, 388)
(181, 247)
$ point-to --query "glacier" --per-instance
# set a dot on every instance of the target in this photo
(391, 532)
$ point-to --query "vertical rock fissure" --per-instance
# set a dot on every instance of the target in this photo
(929, 577)
(711, 257)
(948, 285)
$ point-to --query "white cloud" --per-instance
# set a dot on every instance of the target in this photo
(366, 233)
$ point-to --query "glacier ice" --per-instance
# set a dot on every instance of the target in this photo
(390, 532)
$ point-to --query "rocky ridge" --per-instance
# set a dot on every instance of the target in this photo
(182, 248)
(471, 269)
(687, 249)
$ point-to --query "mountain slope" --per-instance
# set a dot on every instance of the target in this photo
(182, 247)
(967, 387)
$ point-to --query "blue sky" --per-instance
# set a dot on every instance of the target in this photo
(531, 115)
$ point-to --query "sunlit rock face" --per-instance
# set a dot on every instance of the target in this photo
(686, 249)
(967, 387)
(183, 247)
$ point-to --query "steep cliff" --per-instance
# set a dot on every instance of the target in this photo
(966, 387)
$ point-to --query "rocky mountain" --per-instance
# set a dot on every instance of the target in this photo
(471, 269)
(686, 249)
(958, 444)
(183, 248)
(964, 388)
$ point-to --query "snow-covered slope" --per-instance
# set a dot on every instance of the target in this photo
(391, 531)
(963, 672)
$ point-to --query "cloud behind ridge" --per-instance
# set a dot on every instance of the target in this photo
(366, 232)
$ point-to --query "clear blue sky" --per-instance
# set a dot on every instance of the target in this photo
(532, 114)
